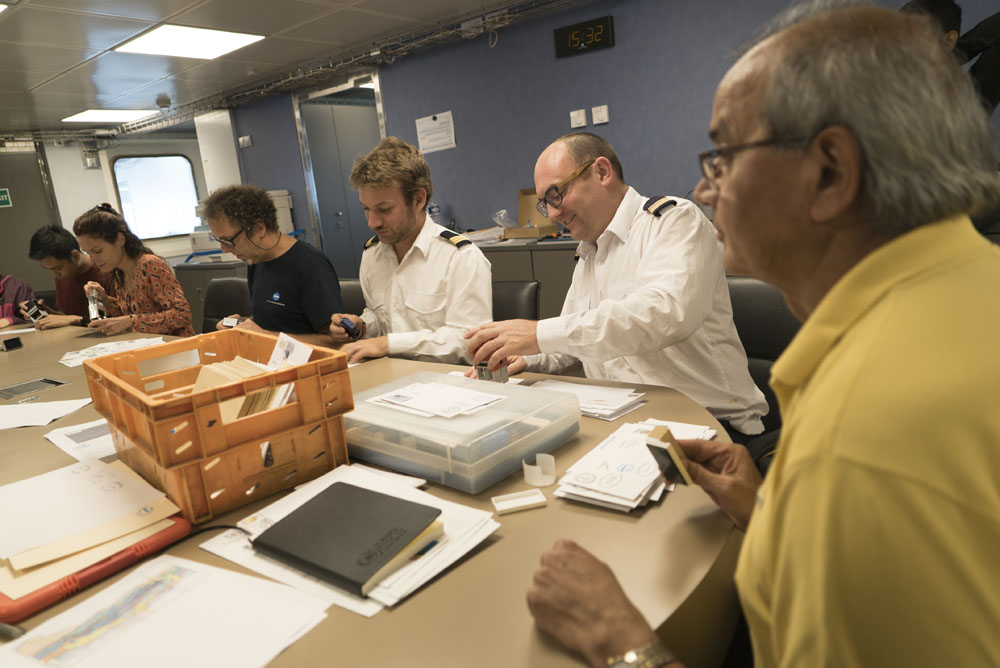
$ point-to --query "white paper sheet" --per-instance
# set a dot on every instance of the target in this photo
(76, 357)
(39, 413)
(436, 132)
(172, 612)
(288, 352)
(64, 502)
(90, 440)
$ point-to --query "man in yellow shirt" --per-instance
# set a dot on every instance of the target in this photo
(844, 176)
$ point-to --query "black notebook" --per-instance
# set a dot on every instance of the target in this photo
(347, 534)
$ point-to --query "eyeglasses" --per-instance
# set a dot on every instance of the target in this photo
(226, 241)
(554, 195)
(713, 162)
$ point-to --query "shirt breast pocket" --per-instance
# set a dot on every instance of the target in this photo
(426, 309)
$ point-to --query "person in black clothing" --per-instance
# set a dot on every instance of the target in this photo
(981, 44)
(293, 286)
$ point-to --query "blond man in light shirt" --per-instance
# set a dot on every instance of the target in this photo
(424, 286)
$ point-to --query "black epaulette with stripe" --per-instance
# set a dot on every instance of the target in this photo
(371, 242)
(657, 205)
(454, 237)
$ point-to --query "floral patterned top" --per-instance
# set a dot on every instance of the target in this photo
(155, 301)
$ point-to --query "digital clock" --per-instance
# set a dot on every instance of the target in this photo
(583, 37)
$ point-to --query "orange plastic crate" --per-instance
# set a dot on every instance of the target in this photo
(242, 474)
(146, 394)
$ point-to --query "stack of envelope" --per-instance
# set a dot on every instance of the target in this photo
(605, 403)
(620, 473)
(430, 399)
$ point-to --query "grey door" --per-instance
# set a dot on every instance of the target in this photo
(21, 175)
(339, 129)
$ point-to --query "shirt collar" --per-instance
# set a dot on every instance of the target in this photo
(619, 227)
(863, 286)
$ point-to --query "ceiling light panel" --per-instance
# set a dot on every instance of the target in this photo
(188, 42)
(109, 116)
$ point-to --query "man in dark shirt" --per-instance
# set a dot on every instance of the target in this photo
(293, 286)
(58, 251)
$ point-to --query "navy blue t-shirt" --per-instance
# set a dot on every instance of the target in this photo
(295, 293)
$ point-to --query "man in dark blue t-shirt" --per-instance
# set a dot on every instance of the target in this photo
(293, 286)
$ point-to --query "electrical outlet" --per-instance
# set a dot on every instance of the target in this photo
(578, 118)
(599, 114)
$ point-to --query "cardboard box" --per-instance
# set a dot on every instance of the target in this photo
(533, 225)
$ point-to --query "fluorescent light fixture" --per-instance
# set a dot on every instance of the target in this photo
(3, 7)
(109, 116)
(188, 42)
(370, 84)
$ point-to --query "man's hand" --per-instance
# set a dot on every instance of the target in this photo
(496, 341)
(219, 326)
(515, 364)
(250, 325)
(112, 326)
(54, 321)
(42, 304)
(338, 333)
(366, 348)
(576, 598)
(727, 473)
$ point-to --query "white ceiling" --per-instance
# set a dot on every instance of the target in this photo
(56, 56)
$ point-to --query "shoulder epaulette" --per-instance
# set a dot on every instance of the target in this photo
(454, 237)
(371, 242)
(657, 205)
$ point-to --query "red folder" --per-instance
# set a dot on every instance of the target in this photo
(14, 610)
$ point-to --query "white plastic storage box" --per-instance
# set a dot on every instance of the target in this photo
(467, 452)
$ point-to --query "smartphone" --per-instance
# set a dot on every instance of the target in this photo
(231, 322)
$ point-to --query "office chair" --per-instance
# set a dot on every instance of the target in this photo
(351, 295)
(766, 327)
(515, 299)
(223, 296)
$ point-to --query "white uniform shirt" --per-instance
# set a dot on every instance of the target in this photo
(649, 303)
(427, 302)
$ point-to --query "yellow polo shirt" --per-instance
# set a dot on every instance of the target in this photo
(876, 538)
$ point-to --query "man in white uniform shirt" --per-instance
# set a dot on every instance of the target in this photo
(649, 301)
(424, 286)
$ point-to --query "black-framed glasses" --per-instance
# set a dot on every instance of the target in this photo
(713, 162)
(554, 195)
(227, 241)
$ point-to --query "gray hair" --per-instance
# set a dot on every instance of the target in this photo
(926, 142)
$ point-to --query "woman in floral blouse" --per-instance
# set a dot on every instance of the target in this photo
(148, 297)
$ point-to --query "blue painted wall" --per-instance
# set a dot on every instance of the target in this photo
(273, 162)
(510, 101)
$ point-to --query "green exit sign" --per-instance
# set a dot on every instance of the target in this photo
(5, 197)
